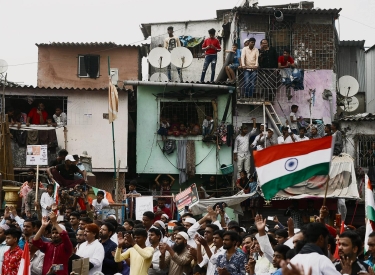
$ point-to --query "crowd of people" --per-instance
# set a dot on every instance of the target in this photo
(157, 245)
(36, 116)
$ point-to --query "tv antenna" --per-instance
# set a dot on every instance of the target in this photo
(159, 58)
(182, 58)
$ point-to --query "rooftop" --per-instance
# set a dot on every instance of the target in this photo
(359, 117)
(285, 11)
(31, 87)
(352, 43)
(88, 44)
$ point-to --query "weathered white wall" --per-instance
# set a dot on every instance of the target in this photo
(370, 80)
(356, 128)
(192, 28)
(87, 130)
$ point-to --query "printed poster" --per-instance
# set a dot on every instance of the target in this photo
(188, 197)
(36, 155)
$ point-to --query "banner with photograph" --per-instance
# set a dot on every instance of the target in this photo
(187, 198)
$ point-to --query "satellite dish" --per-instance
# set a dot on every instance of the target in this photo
(181, 57)
(159, 77)
(159, 57)
(3, 66)
(348, 86)
(350, 104)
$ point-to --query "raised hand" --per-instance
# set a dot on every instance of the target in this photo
(260, 223)
(163, 248)
(52, 217)
(7, 212)
(13, 210)
(275, 219)
(294, 270)
(346, 264)
(120, 239)
(45, 221)
(129, 239)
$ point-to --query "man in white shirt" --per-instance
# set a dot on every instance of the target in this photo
(314, 253)
(210, 258)
(287, 136)
(154, 236)
(47, 200)
(294, 119)
(241, 152)
(249, 61)
(270, 140)
(170, 43)
(257, 138)
(100, 202)
(302, 132)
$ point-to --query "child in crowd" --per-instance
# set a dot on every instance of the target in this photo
(59, 117)
(47, 200)
(163, 130)
(242, 185)
(12, 256)
(50, 122)
(174, 132)
(294, 119)
(165, 186)
(232, 68)
(182, 130)
(155, 191)
(207, 125)
(254, 200)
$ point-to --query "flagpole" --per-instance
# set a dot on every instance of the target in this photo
(114, 143)
(325, 195)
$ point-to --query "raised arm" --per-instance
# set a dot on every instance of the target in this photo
(157, 180)
(172, 179)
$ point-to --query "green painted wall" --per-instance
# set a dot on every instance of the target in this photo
(150, 158)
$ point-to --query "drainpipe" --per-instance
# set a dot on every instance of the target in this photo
(178, 85)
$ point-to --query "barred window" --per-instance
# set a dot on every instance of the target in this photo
(365, 150)
(186, 112)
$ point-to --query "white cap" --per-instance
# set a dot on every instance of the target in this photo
(191, 220)
(160, 223)
(270, 130)
(184, 235)
(165, 216)
(247, 39)
(112, 217)
(69, 157)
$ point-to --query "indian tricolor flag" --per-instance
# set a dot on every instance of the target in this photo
(370, 210)
(285, 165)
(24, 267)
(56, 192)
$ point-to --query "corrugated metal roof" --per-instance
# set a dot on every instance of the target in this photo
(352, 43)
(371, 48)
(89, 44)
(359, 117)
(60, 88)
(270, 10)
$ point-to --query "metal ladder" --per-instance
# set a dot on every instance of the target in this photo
(274, 118)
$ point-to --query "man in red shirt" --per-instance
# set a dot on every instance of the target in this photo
(12, 257)
(37, 116)
(59, 250)
(160, 209)
(211, 46)
(285, 61)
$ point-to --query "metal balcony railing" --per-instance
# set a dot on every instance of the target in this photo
(258, 85)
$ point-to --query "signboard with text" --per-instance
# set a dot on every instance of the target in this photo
(36, 155)
(188, 197)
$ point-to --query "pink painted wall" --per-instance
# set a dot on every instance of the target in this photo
(314, 79)
(58, 65)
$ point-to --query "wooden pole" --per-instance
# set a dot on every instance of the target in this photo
(37, 186)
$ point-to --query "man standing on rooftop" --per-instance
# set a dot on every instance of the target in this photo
(211, 46)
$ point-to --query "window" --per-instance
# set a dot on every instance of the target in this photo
(185, 112)
(88, 66)
(365, 150)
(24, 103)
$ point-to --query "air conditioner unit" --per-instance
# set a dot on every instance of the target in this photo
(114, 75)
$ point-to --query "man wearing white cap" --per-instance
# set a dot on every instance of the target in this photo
(270, 140)
(64, 173)
(257, 138)
(164, 218)
(179, 260)
(3, 245)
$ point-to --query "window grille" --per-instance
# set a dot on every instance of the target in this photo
(365, 150)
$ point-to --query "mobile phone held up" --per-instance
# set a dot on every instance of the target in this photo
(58, 267)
